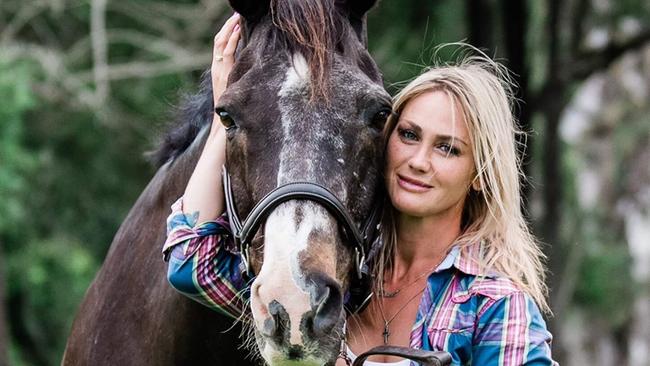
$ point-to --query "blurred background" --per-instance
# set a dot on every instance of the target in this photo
(88, 86)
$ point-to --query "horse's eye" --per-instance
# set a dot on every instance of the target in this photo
(379, 119)
(225, 118)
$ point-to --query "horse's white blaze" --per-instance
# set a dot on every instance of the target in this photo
(300, 141)
(281, 278)
(296, 77)
(295, 84)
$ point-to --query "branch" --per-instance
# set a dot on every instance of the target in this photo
(59, 80)
(145, 70)
(100, 48)
(143, 15)
(174, 21)
(587, 63)
(24, 15)
(156, 45)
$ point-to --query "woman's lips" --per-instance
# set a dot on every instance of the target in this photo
(411, 184)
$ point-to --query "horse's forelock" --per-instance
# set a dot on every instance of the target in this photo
(313, 28)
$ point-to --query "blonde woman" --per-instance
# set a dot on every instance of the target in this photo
(459, 270)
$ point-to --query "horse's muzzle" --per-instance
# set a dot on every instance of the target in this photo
(296, 333)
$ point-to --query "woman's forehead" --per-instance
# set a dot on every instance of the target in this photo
(436, 112)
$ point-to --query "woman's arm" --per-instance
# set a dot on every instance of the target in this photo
(203, 199)
(203, 263)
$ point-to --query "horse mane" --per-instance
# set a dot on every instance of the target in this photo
(314, 28)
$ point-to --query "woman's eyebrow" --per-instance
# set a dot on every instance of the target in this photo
(412, 125)
(415, 127)
(452, 138)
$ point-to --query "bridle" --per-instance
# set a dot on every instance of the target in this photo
(243, 232)
(362, 239)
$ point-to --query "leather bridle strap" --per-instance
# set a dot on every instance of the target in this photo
(424, 358)
(244, 232)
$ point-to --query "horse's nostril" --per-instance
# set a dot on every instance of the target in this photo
(327, 310)
(295, 352)
(278, 324)
(270, 327)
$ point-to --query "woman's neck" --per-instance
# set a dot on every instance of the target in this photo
(424, 241)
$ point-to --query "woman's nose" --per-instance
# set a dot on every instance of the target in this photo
(420, 161)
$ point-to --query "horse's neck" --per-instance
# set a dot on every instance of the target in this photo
(169, 182)
(167, 185)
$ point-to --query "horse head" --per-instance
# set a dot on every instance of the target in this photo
(305, 103)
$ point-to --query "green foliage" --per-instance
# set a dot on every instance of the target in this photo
(603, 278)
(55, 272)
(405, 33)
(605, 285)
(15, 161)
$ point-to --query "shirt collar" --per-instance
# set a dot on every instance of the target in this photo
(464, 258)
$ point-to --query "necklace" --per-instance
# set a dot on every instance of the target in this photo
(385, 293)
(389, 294)
(387, 322)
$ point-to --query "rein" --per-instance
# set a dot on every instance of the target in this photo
(244, 232)
(424, 358)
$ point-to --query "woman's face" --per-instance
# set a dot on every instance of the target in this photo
(430, 165)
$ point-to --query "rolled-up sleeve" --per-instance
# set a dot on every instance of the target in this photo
(512, 332)
(203, 263)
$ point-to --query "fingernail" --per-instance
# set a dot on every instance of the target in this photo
(237, 27)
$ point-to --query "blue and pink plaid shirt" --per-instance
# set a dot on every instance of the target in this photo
(480, 319)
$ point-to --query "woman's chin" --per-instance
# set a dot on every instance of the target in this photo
(411, 207)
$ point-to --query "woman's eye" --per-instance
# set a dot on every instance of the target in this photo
(448, 149)
(225, 118)
(407, 134)
(380, 118)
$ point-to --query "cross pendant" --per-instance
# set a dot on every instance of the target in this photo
(386, 333)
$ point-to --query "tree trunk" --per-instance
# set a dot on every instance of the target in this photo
(479, 16)
(515, 22)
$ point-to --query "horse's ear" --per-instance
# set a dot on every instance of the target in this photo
(251, 10)
(356, 11)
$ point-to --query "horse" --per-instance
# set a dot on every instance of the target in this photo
(305, 103)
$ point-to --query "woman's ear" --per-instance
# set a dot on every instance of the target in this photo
(476, 184)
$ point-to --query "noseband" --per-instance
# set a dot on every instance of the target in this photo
(244, 232)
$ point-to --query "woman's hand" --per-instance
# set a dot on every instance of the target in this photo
(223, 55)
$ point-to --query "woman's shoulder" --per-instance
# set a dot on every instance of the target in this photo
(477, 280)
(485, 290)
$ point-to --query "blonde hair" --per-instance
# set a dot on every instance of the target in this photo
(492, 216)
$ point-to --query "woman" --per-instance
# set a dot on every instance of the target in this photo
(454, 237)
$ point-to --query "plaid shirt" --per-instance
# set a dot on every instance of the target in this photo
(480, 319)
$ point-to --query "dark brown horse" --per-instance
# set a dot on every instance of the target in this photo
(306, 103)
